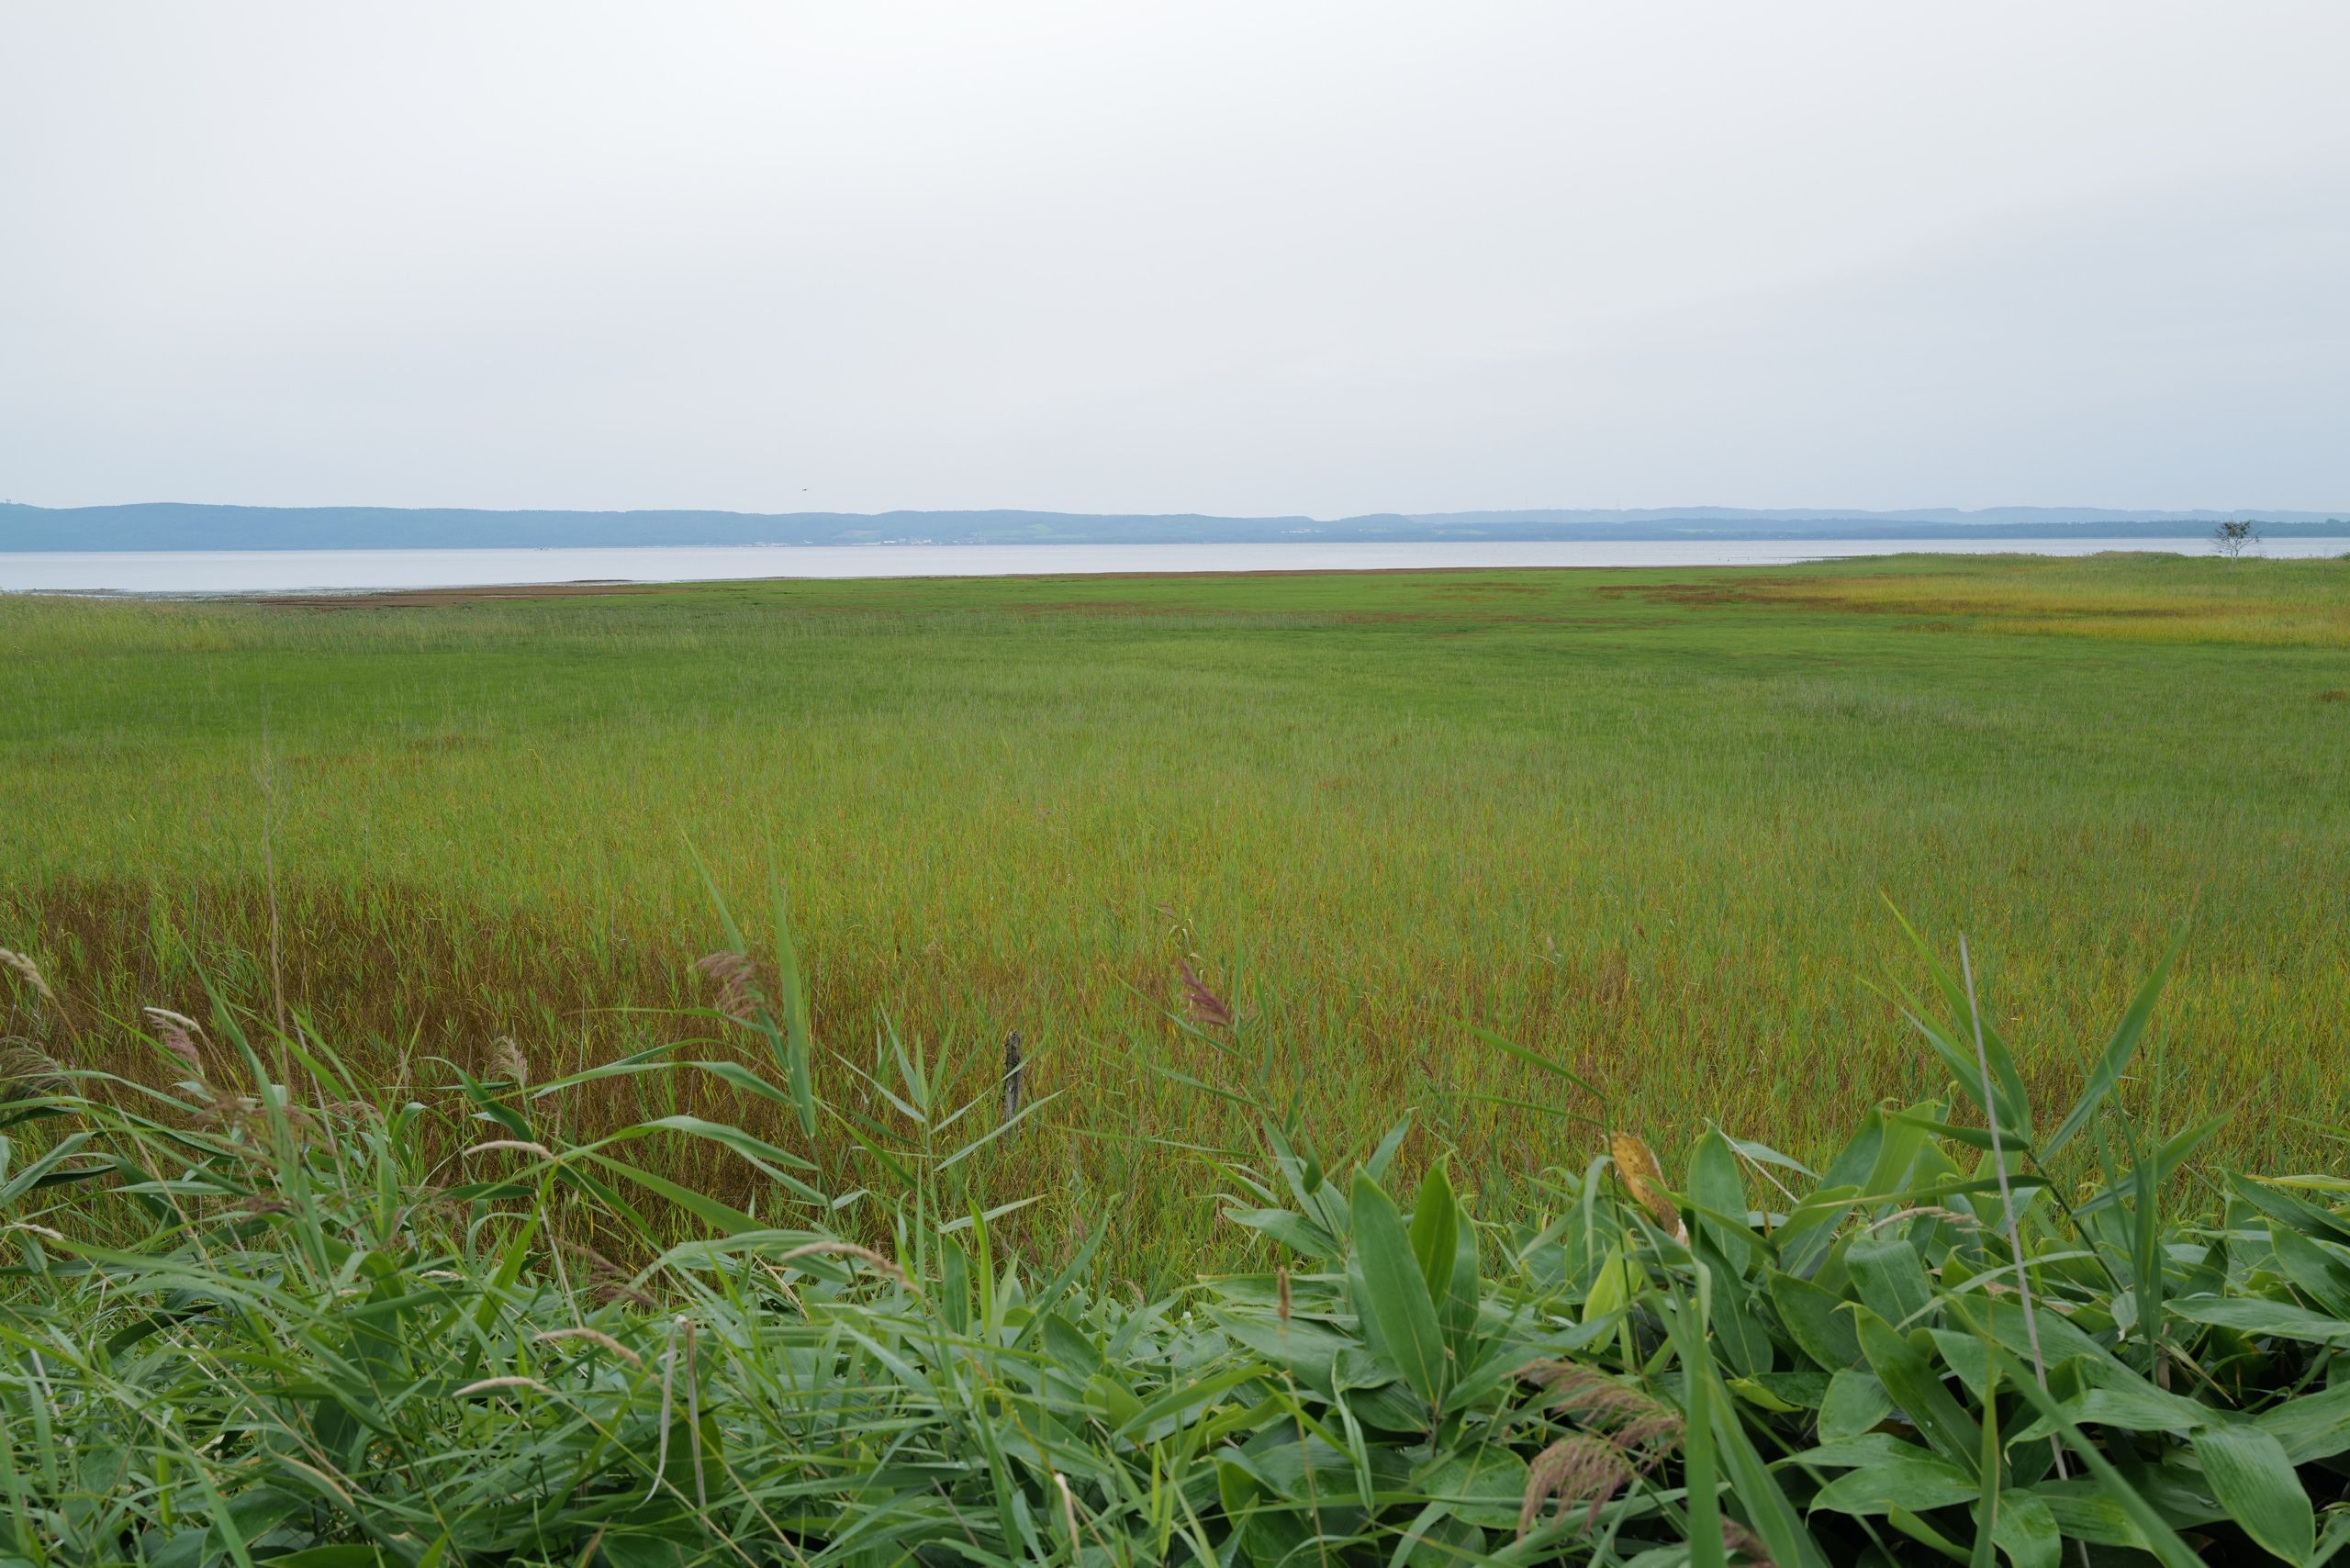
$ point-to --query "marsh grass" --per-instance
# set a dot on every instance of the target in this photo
(321, 1322)
(2159, 599)
(1643, 827)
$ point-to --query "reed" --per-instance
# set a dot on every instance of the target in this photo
(260, 1320)
(1640, 821)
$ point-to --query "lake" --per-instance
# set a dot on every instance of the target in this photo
(293, 571)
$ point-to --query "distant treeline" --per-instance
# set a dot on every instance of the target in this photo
(173, 525)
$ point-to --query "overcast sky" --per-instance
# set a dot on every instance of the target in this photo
(1248, 258)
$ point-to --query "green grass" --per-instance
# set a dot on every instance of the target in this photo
(317, 1321)
(1641, 821)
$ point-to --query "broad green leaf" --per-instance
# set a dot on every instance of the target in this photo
(2315, 1271)
(1458, 1311)
(2139, 1409)
(1915, 1484)
(2085, 1512)
(2179, 1495)
(1307, 1350)
(1395, 1300)
(1967, 1357)
(2267, 1320)
(1820, 1323)
(1857, 1449)
(1435, 1233)
(2311, 1426)
(1484, 1486)
(1856, 1401)
(2025, 1528)
(1764, 1154)
(2297, 1213)
(1182, 1400)
(1896, 1157)
(1317, 1468)
(1738, 1332)
(2249, 1474)
(1909, 1376)
(2059, 1339)
(1719, 1190)
(1802, 1388)
(2153, 1534)
(1619, 1279)
(1888, 1275)
(1382, 1156)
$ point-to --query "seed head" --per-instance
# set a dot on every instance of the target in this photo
(1578, 1469)
(1740, 1542)
(1644, 1427)
(1636, 1167)
(30, 972)
(27, 1072)
(492, 1384)
(177, 1032)
(737, 978)
(507, 1061)
(1205, 1006)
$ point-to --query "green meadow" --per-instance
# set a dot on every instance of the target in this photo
(1651, 824)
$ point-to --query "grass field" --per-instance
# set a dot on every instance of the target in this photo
(1642, 822)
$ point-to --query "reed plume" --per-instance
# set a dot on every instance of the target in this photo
(737, 978)
(1205, 1006)
(27, 1072)
(30, 973)
(507, 1061)
(1577, 1468)
(177, 1032)
(1624, 1434)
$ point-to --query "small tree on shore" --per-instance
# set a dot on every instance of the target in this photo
(2232, 537)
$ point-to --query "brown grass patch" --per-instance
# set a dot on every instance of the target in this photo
(433, 598)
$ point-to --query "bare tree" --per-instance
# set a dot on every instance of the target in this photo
(2232, 537)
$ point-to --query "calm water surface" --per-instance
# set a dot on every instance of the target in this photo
(293, 571)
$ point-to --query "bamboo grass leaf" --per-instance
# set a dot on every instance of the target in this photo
(1909, 1377)
(1395, 1296)
(2249, 1473)
(1435, 1234)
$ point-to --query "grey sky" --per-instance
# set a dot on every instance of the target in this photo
(1256, 257)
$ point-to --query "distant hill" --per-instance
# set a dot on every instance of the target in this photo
(175, 525)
